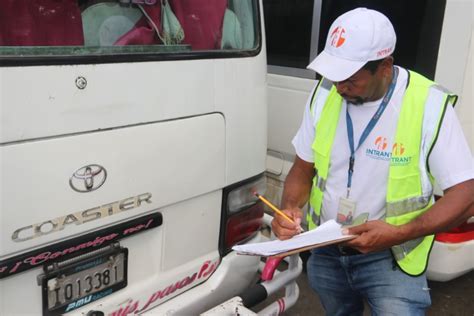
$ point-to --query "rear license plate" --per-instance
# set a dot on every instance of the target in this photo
(74, 283)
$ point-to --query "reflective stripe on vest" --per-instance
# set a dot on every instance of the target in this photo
(326, 105)
(409, 188)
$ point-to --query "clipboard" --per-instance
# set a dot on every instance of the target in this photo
(326, 234)
(362, 218)
(319, 245)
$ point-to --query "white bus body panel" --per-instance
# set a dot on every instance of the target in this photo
(180, 137)
(152, 158)
(450, 260)
(454, 66)
(49, 103)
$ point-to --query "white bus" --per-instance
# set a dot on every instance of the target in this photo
(133, 133)
(434, 38)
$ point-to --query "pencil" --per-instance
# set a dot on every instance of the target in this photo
(274, 208)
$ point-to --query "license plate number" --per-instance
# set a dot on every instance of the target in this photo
(79, 283)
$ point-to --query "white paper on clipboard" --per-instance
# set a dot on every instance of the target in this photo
(328, 232)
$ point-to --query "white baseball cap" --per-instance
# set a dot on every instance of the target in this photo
(356, 37)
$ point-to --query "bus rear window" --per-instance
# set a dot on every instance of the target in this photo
(52, 28)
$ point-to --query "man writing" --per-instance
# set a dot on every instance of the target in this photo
(373, 138)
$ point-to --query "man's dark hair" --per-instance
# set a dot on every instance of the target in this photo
(373, 65)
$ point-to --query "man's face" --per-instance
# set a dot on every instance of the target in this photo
(362, 87)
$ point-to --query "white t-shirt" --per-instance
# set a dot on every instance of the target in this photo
(450, 162)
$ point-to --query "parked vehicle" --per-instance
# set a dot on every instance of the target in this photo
(434, 38)
(132, 138)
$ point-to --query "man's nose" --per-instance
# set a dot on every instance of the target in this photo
(342, 87)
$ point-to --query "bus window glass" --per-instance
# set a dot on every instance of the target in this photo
(45, 28)
(288, 36)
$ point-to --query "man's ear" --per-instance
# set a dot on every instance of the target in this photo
(387, 65)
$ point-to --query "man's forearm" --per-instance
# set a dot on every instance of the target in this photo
(455, 207)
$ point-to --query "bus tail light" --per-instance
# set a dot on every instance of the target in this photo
(462, 233)
(242, 212)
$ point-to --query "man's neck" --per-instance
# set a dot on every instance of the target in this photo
(383, 87)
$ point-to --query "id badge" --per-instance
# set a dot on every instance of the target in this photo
(346, 211)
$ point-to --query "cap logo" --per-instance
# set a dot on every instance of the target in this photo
(337, 37)
(384, 52)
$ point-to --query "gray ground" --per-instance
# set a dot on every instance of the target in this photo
(452, 298)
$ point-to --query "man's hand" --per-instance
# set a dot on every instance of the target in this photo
(374, 236)
(454, 208)
(284, 229)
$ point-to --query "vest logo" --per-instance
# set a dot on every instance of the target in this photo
(337, 37)
(398, 157)
(398, 149)
(381, 143)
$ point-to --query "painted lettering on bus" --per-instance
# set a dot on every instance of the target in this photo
(137, 228)
(48, 255)
(133, 306)
(44, 257)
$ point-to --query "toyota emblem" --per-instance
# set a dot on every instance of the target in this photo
(88, 178)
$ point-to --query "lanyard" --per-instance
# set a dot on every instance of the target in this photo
(370, 126)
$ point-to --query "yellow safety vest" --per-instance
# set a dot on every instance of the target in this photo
(410, 184)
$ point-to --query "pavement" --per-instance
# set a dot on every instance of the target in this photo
(452, 298)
